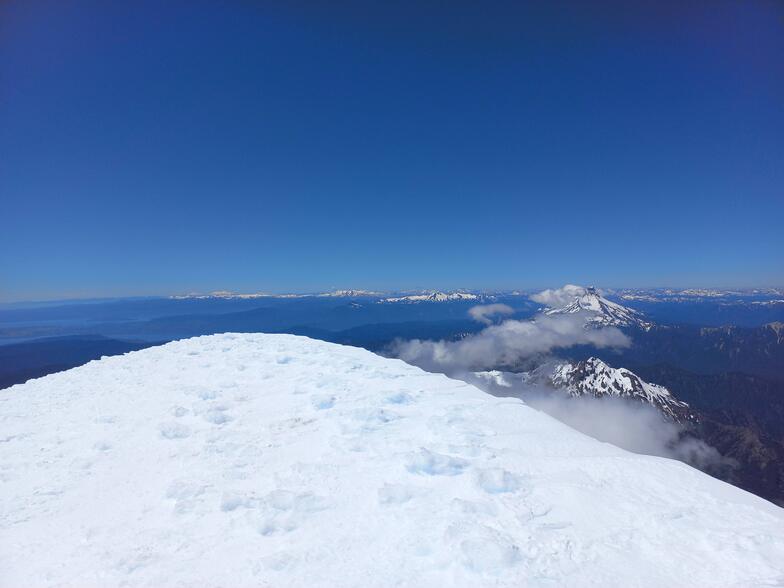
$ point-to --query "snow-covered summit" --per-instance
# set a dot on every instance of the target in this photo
(593, 377)
(434, 297)
(601, 311)
(274, 460)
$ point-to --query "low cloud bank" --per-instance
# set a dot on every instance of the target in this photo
(558, 296)
(635, 427)
(484, 312)
(632, 426)
(506, 344)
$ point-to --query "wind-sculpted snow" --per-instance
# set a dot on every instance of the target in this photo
(274, 460)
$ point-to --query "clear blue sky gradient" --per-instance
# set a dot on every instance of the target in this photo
(162, 147)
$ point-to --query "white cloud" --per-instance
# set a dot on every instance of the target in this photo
(507, 343)
(483, 313)
(558, 296)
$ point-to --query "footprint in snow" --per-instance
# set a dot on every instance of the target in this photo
(179, 411)
(186, 495)
(435, 464)
(282, 511)
(216, 416)
(483, 549)
(399, 398)
(233, 500)
(174, 431)
(390, 494)
(102, 446)
(489, 554)
(374, 418)
(497, 481)
(322, 402)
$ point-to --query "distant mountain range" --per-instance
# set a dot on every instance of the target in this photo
(436, 297)
(386, 297)
(692, 294)
(650, 294)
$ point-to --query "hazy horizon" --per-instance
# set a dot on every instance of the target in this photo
(395, 290)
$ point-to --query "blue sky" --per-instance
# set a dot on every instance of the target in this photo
(151, 147)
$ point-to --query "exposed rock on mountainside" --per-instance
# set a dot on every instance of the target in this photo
(593, 377)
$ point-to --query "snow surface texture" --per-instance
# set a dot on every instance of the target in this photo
(275, 460)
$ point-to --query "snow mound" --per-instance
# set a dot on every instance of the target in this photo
(274, 460)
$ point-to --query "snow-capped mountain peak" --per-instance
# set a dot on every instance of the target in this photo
(601, 311)
(593, 377)
(433, 297)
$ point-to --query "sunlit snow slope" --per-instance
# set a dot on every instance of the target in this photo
(274, 460)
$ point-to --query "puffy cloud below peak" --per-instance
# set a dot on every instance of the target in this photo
(559, 296)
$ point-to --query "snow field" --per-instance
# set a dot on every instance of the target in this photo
(275, 460)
